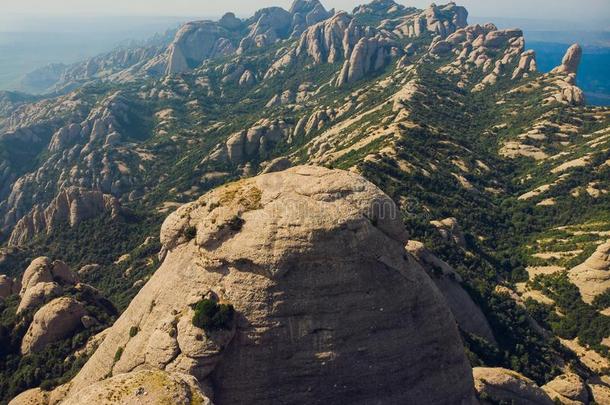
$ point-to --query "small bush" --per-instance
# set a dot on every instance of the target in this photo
(118, 354)
(190, 232)
(210, 315)
(133, 331)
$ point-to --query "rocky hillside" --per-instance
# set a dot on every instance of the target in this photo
(499, 174)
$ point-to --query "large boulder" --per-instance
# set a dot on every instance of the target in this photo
(568, 389)
(329, 306)
(450, 230)
(571, 61)
(499, 385)
(39, 271)
(593, 276)
(53, 322)
(195, 42)
(145, 387)
(38, 294)
(42, 280)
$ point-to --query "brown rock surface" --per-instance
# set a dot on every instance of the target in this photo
(569, 389)
(53, 322)
(449, 229)
(329, 306)
(593, 276)
(34, 396)
(600, 389)
(72, 205)
(502, 385)
(38, 294)
(146, 387)
(467, 313)
(571, 61)
(42, 280)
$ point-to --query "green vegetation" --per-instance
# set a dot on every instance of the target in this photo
(190, 233)
(55, 365)
(133, 331)
(118, 354)
(209, 315)
(578, 319)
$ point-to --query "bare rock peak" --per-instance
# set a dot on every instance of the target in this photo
(279, 247)
(571, 61)
(230, 21)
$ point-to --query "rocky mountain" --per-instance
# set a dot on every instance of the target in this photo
(388, 204)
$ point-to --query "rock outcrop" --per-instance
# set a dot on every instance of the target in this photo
(467, 313)
(43, 280)
(329, 306)
(306, 13)
(340, 38)
(53, 322)
(527, 63)
(369, 55)
(194, 43)
(568, 389)
(436, 20)
(570, 62)
(506, 386)
(329, 41)
(7, 286)
(48, 287)
(254, 143)
(145, 387)
(450, 231)
(230, 21)
(565, 91)
(494, 53)
(379, 7)
(72, 206)
(274, 23)
(593, 276)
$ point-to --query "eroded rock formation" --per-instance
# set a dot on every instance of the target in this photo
(72, 206)
(294, 252)
(593, 276)
(56, 320)
(571, 61)
(568, 389)
(253, 143)
(467, 313)
(501, 385)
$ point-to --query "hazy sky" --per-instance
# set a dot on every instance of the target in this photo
(537, 9)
